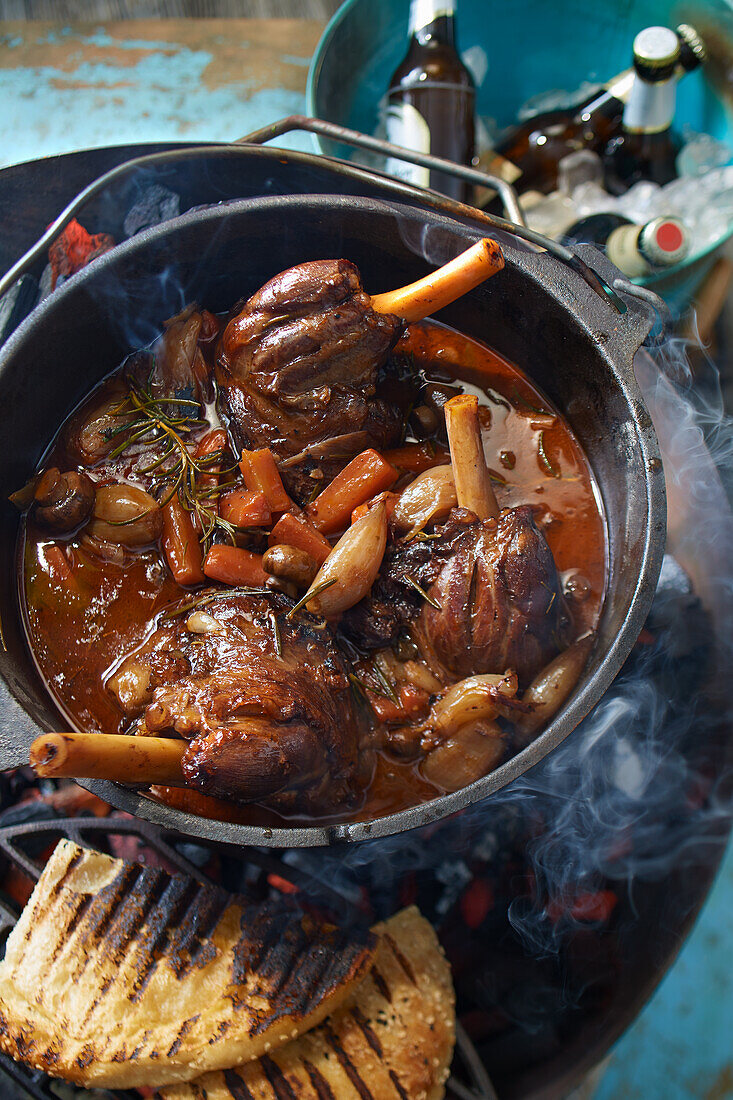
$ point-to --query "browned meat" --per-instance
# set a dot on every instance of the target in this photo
(500, 601)
(499, 598)
(299, 366)
(261, 727)
(394, 602)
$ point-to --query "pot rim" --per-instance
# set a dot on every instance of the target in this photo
(613, 350)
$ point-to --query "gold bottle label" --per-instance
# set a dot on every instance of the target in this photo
(622, 249)
(425, 12)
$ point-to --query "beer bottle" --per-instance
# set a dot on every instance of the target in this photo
(646, 148)
(431, 99)
(636, 250)
(528, 156)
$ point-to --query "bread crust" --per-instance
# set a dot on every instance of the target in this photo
(119, 975)
(392, 1040)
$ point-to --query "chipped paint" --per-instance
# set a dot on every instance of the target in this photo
(211, 80)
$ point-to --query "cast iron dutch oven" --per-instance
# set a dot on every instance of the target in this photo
(538, 312)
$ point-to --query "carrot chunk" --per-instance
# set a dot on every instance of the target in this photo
(365, 476)
(390, 500)
(291, 530)
(244, 508)
(261, 475)
(417, 457)
(55, 563)
(230, 565)
(181, 543)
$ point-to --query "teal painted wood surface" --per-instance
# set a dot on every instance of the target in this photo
(65, 88)
(681, 1046)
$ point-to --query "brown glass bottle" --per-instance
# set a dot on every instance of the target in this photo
(431, 99)
(646, 149)
(531, 152)
(528, 156)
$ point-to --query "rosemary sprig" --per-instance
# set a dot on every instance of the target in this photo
(310, 595)
(389, 689)
(169, 422)
(522, 401)
(210, 597)
(423, 593)
(542, 455)
(315, 491)
(364, 689)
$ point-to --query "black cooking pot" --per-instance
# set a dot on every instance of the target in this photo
(537, 312)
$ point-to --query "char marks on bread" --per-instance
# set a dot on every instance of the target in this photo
(392, 1040)
(118, 975)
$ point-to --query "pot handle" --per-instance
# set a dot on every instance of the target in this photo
(646, 314)
(401, 190)
(609, 286)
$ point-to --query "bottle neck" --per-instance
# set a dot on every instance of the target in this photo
(433, 22)
(650, 107)
(608, 101)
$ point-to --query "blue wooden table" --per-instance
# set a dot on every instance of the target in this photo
(65, 88)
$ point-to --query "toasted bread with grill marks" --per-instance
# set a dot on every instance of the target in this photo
(120, 975)
(392, 1040)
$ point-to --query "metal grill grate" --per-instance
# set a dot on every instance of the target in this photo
(18, 843)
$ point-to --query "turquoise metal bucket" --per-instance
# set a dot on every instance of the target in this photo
(526, 47)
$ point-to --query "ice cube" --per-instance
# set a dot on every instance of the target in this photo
(585, 166)
(705, 205)
(641, 202)
(590, 198)
(550, 214)
(701, 153)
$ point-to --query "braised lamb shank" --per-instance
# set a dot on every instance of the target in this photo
(262, 699)
(494, 599)
(299, 366)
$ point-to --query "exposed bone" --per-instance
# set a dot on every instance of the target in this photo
(473, 482)
(121, 759)
(441, 287)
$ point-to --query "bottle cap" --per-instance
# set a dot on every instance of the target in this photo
(664, 241)
(692, 48)
(656, 53)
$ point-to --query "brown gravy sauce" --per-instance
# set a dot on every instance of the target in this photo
(534, 458)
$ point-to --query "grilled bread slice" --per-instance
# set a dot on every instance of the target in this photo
(392, 1040)
(120, 975)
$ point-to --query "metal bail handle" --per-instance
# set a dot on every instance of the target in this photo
(515, 222)
(425, 197)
